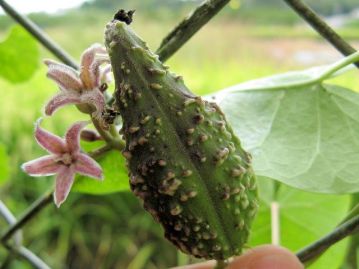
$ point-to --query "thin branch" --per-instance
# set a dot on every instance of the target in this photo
(100, 151)
(352, 213)
(10, 219)
(188, 27)
(40, 35)
(321, 27)
(317, 248)
(351, 257)
(33, 210)
(29, 256)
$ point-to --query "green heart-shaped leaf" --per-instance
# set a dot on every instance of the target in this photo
(300, 131)
(115, 173)
(19, 56)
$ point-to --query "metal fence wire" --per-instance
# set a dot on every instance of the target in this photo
(169, 45)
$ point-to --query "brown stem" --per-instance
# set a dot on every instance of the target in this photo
(188, 27)
(317, 248)
(321, 27)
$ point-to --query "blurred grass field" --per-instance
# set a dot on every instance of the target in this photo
(113, 231)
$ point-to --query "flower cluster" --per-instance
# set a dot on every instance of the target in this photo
(84, 89)
(65, 159)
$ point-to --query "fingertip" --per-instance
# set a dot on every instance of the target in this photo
(267, 257)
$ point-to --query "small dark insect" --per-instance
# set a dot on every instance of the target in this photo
(124, 16)
(103, 87)
(109, 115)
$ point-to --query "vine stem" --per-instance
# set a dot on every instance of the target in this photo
(188, 27)
(352, 213)
(32, 211)
(321, 27)
(317, 248)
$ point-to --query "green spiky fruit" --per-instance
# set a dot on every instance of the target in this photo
(184, 160)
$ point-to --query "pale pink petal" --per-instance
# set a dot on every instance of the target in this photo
(72, 136)
(87, 60)
(95, 98)
(87, 166)
(50, 142)
(65, 76)
(105, 76)
(95, 70)
(61, 99)
(43, 166)
(64, 181)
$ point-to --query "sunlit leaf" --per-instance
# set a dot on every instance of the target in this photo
(4, 165)
(303, 218)
(19, 56)
(115, 173)
(300, 131)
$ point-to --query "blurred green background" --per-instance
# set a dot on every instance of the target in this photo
(249, 39)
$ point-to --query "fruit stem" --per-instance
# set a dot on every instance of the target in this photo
(111, 137)
(221, 264)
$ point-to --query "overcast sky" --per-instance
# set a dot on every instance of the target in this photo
(27, 6)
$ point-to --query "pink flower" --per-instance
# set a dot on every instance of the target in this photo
(65, 160)
(84, 87)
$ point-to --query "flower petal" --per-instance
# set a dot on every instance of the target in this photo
(65, 76)
(87, 166)
(50, 142)
(72, 136)
(87, 59)
(43, 166)
(64, 181)
(105, 76)
(95, 98)
(95, 70)
(61, 99)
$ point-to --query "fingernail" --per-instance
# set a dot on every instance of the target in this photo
(275, 261)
